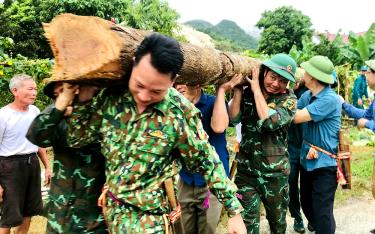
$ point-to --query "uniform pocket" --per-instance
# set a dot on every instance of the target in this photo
(152, 146)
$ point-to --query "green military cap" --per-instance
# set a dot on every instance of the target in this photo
(283, 65)
(321, 68)
(48, 87)
(371, 64)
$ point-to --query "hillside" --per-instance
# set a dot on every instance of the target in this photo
(227, 34)
(195, 37)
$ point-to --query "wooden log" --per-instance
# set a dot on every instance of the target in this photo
(345, 163)
(94, 50)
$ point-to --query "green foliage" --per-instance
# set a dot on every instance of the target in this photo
(200, 25)
(255, 54)
(283, 28)
(360, 48)
(361, 137)
(9, 66)
(227, 34)
(231, 31)
(305, 53)
(331, 49)
(361, 167)
(152, 15)
(21, 20)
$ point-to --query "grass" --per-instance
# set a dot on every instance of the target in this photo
(361, 166)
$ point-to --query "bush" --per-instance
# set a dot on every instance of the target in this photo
(9, 66)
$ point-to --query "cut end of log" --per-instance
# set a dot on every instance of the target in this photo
(83, 45)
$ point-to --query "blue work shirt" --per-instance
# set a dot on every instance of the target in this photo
(357, 113)
(295, 134)
(323, 130)
(359, 90)
(218, 141)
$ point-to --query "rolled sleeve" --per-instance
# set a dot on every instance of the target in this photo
(322, 107)
(279, 117)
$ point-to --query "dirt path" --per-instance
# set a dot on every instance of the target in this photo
(356, 216)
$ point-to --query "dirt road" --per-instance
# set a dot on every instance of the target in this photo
(355, 216)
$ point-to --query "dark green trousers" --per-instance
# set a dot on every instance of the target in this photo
(271, 191)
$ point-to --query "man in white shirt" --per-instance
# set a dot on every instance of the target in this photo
(19, 164)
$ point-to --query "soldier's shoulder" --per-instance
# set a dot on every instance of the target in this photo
(180, 105)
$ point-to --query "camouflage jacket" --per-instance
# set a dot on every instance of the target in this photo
(264, 142)
(139, 147)
(78, 177)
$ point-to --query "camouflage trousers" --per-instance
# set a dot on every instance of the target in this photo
(271, 191)
(74, 218)
(128, 220)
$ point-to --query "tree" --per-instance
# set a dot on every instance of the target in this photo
(331, 49)
(21, 20)
(283, 28)
(360, 48)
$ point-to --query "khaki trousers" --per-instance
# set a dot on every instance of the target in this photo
(195, 218)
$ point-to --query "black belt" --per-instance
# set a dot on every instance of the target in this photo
(132, 207)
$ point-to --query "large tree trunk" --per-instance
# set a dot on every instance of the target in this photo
(94, 50)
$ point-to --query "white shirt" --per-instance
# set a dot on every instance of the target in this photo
(238, 132)
(13, 128)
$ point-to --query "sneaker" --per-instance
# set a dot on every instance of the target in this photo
(298, 226)
(310, 227)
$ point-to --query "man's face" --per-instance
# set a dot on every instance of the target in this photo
(26, 92)
(370, 77)
(57, 88)
(182, 88)
(274, 83)
(148, 85)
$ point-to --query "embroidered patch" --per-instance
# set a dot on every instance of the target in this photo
(290, 104)
(271, 105)
(158, 134)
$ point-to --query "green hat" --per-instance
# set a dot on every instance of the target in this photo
(320, 67)
(283, 65)
(371, 64)
(48, 88)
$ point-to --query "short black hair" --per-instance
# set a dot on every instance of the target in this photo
(166, 54)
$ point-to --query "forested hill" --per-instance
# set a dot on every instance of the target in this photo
(225, 32)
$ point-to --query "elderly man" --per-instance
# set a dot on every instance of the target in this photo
(19, 164)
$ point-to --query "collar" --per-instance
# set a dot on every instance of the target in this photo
(322, 92)
(202, 99)
(161, 106)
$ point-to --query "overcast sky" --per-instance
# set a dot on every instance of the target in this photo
(331, 15)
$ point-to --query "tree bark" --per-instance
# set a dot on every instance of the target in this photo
(94, 50)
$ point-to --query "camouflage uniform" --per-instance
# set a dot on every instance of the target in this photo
(263, 164)
(78, 176)
(138, 151)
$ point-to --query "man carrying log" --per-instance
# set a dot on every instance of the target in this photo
(78, 174)
(139, 128)
(265, 109)
(200, 209)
